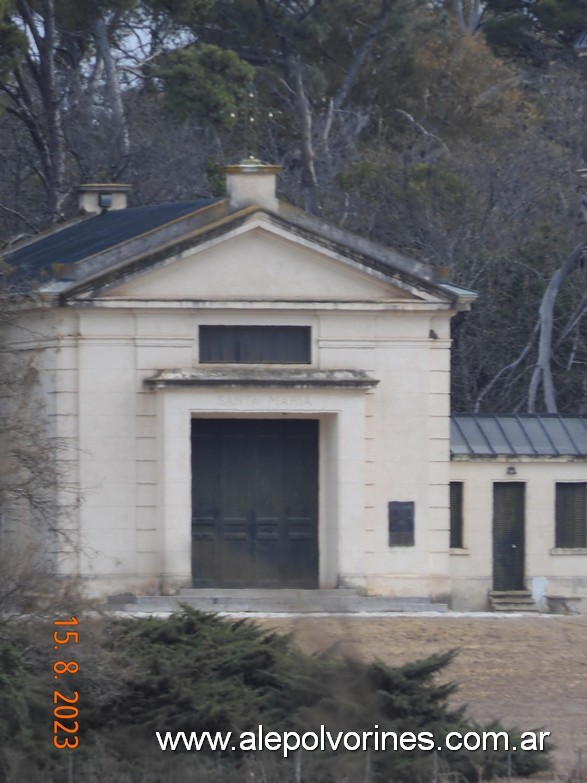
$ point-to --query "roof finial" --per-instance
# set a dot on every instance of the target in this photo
(251, 120)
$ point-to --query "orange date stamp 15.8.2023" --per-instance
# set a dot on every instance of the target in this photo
(65, 709)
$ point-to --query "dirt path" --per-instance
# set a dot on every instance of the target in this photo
(530, 672)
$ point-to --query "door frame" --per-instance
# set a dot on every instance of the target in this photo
(341, 501)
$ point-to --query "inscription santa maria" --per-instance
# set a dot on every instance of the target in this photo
(65, 709)
(265, 401)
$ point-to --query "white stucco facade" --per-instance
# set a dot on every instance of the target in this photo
(382, 438)
(115, 339)
(555, 576)
(132, 445)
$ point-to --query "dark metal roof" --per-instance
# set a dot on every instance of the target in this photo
(89, 255)
(92, 235)
(518, 436)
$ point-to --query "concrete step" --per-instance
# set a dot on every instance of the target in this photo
(564, 604)
(512, 601)
(343, 601)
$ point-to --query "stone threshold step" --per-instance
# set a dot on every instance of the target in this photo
(274, 601)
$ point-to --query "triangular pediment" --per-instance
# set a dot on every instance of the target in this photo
(257, 262)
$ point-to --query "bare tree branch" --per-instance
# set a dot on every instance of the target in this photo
(422, 129)
(573, 320)
(471, 24)
(351, 76)
(104, 51)
(309, 181)
(507, 369)
(542, 374)
(20, 216)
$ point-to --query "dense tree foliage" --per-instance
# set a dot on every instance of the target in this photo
(533, 29)
(197, 672)
(453, 132)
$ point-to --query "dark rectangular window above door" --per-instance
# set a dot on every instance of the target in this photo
(401, 523)
(571, 515)
(255, 344)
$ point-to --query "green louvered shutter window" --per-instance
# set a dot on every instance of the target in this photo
(571, 515)
(456, 514)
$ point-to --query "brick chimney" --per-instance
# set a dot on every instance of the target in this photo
(252, 183)
(94, 198)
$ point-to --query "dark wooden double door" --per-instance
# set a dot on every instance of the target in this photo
(255, 503)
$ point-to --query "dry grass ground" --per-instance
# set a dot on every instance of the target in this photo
(527, 671)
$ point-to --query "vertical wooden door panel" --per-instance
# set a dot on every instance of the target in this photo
(233, 502)
(206, 462)
(508, 536)
(300, 499)
(266, 504)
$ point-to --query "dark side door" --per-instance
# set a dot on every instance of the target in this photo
(508, 535)
(255, 503)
